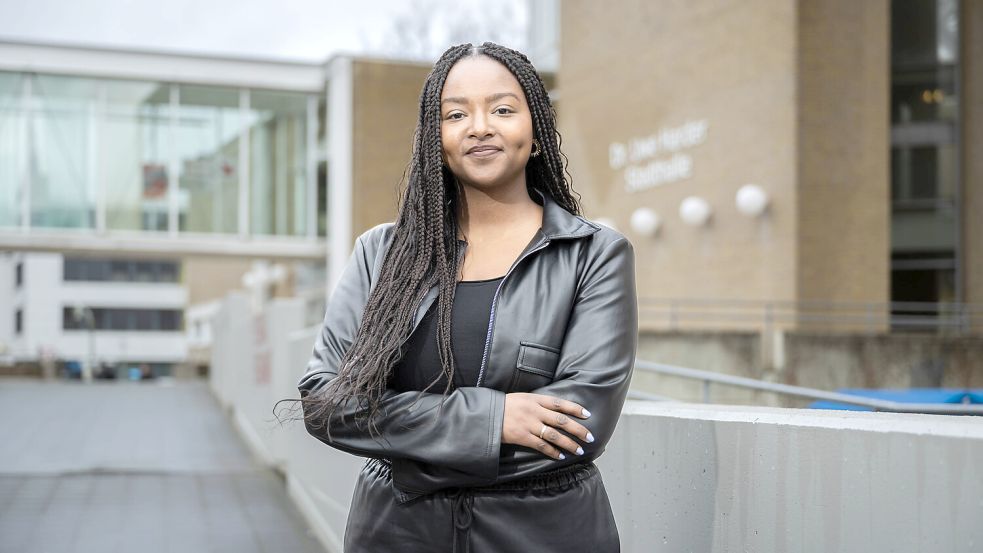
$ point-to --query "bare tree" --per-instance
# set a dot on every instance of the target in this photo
(428, 27)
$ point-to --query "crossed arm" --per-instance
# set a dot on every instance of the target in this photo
(594, 371)
(463, 446)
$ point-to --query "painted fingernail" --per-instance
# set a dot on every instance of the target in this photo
(586, 412)
(590, 437)
(562, 456)
(580, 450)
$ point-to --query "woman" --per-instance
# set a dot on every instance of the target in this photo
(493, 287)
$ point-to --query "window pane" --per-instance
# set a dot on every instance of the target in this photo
(208, 147)
(277, 124)
(72, 269)
(924, 55)
(145, 319)
(924, 95)
(135, 152)
(923, 173)
(120, 271)
(145, 271)
(924, 32)
(63, 118)
(168, 272)
(100, 318)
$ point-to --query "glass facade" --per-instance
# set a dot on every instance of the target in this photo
(925, 151)
(106, 154)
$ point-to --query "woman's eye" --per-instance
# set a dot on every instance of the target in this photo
(451, 116)
(507, 111)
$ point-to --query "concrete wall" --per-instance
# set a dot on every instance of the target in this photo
(734, 353)
(815, 360)
(720, 478)
(883, 361)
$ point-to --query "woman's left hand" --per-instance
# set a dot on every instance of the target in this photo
(534, 420)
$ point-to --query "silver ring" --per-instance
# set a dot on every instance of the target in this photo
(543, 431)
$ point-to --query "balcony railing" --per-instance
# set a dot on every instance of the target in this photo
(947, 318)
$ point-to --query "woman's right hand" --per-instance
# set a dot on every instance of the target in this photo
(525, 415)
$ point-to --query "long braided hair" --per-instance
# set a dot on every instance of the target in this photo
(424, 249)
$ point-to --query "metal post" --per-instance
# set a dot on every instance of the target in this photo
(28, 176)
(311, 164)
(174, 163)
(243, 163)
(97, 114)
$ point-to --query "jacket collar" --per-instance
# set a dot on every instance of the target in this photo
(560, 223)
(557, 221)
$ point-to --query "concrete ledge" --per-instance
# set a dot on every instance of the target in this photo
(695, 477)
(869, 421)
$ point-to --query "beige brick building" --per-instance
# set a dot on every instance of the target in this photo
(815, 103)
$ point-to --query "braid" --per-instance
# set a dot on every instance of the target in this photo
(424, 249)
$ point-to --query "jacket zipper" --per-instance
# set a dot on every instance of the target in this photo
(491, 318)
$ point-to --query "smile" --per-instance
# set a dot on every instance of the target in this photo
(485, 153)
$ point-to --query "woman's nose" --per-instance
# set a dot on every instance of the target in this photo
(480, 125)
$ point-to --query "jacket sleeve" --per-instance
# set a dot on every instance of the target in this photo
(594, 370)
(465, 435)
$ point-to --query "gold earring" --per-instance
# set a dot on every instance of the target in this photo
(537, 148)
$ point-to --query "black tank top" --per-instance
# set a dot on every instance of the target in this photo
(469, 328)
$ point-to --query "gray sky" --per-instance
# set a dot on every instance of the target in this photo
(291, 29)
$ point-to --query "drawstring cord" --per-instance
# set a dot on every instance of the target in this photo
(462, 515)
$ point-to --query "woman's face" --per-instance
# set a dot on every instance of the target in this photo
(485, 123)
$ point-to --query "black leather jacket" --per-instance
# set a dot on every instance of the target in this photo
(564, 322)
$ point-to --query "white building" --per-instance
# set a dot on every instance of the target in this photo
(122, 312)
(137, 187)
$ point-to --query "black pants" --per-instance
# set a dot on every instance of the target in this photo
(566, 510)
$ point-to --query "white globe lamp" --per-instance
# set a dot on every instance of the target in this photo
(751, 200)
(645, 221)
(694, 211)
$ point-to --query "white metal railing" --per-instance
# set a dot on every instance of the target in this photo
(942, 317)
(709, 377)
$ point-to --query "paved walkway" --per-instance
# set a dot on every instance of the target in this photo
(134, 466)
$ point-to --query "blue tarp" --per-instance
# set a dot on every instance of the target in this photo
(905, 395)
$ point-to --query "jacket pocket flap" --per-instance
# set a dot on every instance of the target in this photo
(538, 359)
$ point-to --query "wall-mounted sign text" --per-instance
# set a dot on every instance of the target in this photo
(658, 158)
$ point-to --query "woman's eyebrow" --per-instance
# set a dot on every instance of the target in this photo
(492, 98)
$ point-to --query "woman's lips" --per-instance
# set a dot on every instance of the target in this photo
(485, 152)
